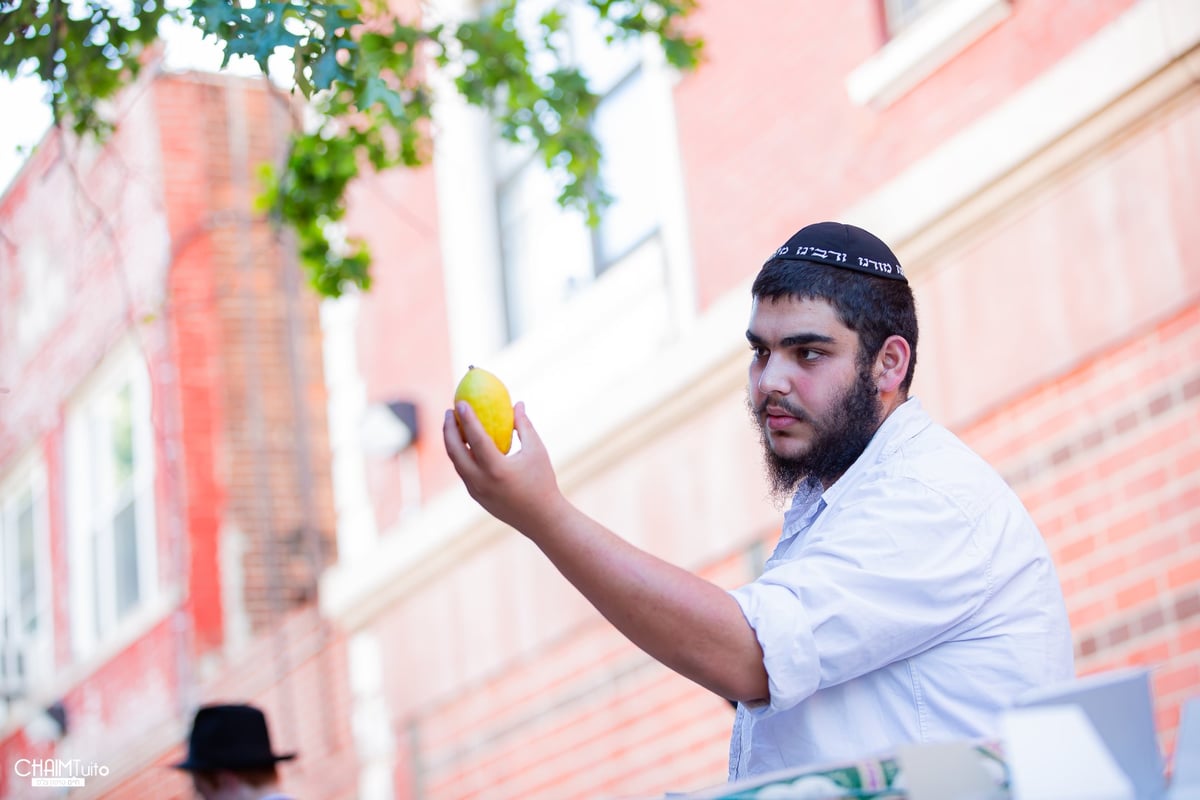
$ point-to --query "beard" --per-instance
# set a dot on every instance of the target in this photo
(838, 439)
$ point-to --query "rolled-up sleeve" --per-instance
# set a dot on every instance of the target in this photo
(786, 638)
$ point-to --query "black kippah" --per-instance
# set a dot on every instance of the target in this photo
(840, 245)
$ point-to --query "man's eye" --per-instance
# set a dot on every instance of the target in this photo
(758, 351)
(810, 355)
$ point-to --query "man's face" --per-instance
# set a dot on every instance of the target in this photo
(220, 786)
(204, 789)
(815, 405)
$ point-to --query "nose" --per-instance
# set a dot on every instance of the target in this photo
(773, 377)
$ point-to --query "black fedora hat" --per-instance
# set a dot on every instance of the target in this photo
(232, 736)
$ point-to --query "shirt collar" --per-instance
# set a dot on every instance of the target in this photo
(807, 502)
(905, 421)
(902, 424)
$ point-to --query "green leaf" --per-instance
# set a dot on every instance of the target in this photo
(215, 16)
(377, 91)
(324, 68)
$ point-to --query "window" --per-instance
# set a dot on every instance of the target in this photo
(25, 640)
(549, 254)
(43, 294)
(923, 35)
(899, 14)
(110, 458)
(529, 284)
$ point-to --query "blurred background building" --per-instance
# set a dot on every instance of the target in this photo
(214, 488)
(165, 490)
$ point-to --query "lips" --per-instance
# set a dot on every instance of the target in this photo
(778, 419)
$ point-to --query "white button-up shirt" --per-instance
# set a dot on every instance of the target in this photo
(909, 602)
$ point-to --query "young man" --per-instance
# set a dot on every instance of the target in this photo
(229, 755)
(910, 597)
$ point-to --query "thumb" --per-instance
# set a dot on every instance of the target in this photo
(525, 429)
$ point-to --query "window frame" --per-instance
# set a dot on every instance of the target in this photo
(935, 36)
(34, 648)
(42, 300)
(602, 261)
(643, 303)
(895, 20)
(96, 503)
(620, 72)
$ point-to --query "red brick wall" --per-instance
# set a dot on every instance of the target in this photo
(249, 354)
(192, 288)
(585, 714)
(1117, 495)
(156, 242)
(297, 676)
(768, 136)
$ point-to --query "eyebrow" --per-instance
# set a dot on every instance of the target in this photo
(795, 340)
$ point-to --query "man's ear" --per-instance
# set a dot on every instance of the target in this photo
(891, 365)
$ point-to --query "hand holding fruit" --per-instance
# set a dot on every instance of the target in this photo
(519, 489)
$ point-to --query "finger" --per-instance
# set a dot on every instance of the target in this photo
(483, 448)
(525, 430)
(456, 448)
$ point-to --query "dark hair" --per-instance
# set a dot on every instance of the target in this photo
(874, 308)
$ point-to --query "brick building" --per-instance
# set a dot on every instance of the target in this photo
(1035, 166)
(164, 467)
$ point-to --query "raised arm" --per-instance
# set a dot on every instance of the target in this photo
(689, 624)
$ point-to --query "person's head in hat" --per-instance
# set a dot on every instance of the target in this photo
(229, 754)
(845, 289)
